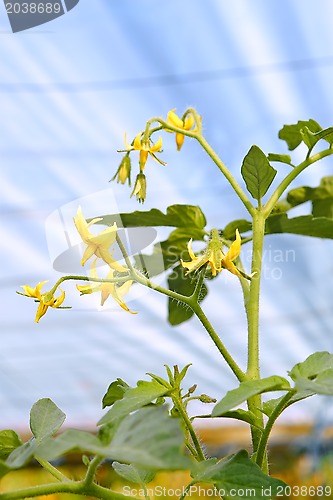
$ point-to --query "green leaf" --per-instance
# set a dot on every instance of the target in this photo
(133, 399)
(242, 225)
(279, 158)
(321, 197)
(257, 172)
(315, 374)
(133, 474)
(148, 438)
(293, 135)
(312, 366)
(9, 441)
(326, 134)
(238, 477)
(300, 195)
(176, 216)
(4, 468)
(71, 440)
(22, 455)
(270, 405)
(306, 225)
(248, 389)
(185, 285)
(45, 419)
(116, 391)
(243, 415)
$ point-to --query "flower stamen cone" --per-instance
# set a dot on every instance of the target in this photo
(146, 148)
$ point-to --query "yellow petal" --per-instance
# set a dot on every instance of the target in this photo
(189, 122)
(128, 146)
(231, 268)
(33, 292)
(42, 308)
(106, 256)
(157, 146)
(106, 237)
(137, 141)
(174, 119)
(234, 249)
(81, 225)
(89, 252)
(59, 300)
(189, 249)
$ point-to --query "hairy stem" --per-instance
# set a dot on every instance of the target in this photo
(267, 430)
(291, 176)
(74, 487)
(253, 367)
(217, 341)
(199, 454)
(52, 470)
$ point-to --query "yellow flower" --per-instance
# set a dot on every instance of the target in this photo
(46, 300)
(186, 123)
(215, 257)
(107, 289)
(97, 244)
(140, 188)
(145, 148)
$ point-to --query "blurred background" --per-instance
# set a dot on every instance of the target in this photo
(69, 89)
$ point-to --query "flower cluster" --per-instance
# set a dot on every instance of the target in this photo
(98, 245)
(143, 143)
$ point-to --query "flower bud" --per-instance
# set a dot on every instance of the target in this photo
(124, 171)
(140, 188)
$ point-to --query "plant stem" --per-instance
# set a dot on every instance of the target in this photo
(227, 174)
(217, 341)
(73, 487)
(95, 462)
(291, 176)
(267, 430)
(253, 367)
(210, 151)
(199, 453)
(52, 470)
